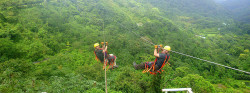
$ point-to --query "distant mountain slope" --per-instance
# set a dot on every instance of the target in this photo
(205, 8)
(240, 9)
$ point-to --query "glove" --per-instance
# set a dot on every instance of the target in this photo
(160, 45)
(106, 43)
(102, 43)
(156, 46)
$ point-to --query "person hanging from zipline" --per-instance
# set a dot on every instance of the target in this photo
(156, 66)
(109, 58)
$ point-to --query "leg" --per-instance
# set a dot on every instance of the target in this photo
(112, 62)
(156, 68)
(105, 63)
(115, 61)
(141, 66)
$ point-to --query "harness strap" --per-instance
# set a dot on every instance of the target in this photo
(96, 57)
(160, 70)
(153, 66)
(146, 68)
(153, 72)
(112, 62)
(155, 60)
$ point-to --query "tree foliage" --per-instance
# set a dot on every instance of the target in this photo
(47, 45)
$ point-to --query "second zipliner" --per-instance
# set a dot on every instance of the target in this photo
(109, 59)
(160, 61)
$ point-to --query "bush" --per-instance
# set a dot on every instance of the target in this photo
(196, 82)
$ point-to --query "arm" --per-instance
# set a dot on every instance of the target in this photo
(155, 53)
(105, 49)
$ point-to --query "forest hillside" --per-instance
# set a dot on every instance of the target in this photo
(47, 46)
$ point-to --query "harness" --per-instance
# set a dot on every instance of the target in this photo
(111, 62)
(152, 69)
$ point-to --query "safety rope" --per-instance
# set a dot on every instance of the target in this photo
(210, 62)
(186, 54)
(106, 89)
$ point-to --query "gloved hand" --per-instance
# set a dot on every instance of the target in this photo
(156, 46)
(160, 45)
(106, 43)
(102, 43)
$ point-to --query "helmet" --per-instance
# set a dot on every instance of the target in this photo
(167, 48)
(96, 44)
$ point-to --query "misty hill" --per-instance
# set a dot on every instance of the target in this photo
(205, 8)
(239, 9)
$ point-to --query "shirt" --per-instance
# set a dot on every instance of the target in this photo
(161, 59)
(100, 54)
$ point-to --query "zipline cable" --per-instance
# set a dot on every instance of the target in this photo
(210, 62)
(186, 54)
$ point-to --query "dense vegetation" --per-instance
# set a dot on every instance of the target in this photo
(47, 45)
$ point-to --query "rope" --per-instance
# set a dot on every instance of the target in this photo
(106, 89)
(211, 62)
(186, 54)
(137, 34)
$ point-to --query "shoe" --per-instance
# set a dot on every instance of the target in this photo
(134, 64)
(116, 66)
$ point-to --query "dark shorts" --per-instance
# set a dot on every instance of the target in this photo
(111, 59)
